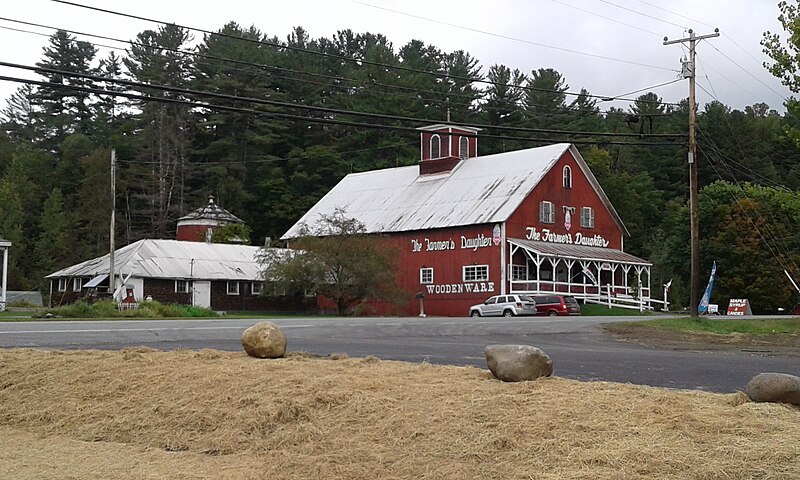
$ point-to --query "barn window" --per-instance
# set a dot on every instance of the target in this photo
(426, 275)
(436, 146)
(547, 213)
(476, 273)
(77, 283)
(519, 272)
(587, 217)
(181, 286)
(256, 288)
(233, 288)
(62, 284)
(567, 177)
(463, 148)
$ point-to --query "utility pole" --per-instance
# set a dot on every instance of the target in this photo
(111, 286)
(688, 71)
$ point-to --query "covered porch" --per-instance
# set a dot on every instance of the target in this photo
(591, 274)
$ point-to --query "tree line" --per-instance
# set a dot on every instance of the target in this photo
(277, 138)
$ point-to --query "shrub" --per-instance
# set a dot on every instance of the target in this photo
(108, 309)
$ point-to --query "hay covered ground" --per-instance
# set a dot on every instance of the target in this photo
(140, 413)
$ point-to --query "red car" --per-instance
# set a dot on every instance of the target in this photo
(553, 305)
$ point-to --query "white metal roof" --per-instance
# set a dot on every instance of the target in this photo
(579, 252)
(478, 190)
(174, 259)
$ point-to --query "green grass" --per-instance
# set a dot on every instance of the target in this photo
(594, 310)
(723, 326)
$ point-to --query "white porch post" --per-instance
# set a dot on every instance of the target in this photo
(626, 270)
(5, 246)
(553, 271)
(639, 284)
(569, 264)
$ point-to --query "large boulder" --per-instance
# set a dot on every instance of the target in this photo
(774, 387)
(517, 363)
(264, 340)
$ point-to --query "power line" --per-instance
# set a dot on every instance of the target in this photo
(223, 96)
(442, 75)
(272, 67)
(769, 229)
(230, 60)
(508, 37)
(605, 17)
(779, 246)
(652, 87)
(306, 119)
(676, 13)
(748, 72)
(643, 14)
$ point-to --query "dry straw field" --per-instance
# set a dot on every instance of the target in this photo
(145, 414)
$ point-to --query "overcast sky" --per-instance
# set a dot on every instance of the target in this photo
(608, 47)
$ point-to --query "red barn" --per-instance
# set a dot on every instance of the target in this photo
(468, 227)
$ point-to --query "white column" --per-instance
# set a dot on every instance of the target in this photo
(5, 280)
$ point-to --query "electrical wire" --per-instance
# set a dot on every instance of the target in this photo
(605, 17)
(261, 101)
(305, 119)
(448, 95)
(443, 75)
(643, 14)
(230, 60)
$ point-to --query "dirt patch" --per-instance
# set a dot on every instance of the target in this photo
(141, 413)
(772, 344)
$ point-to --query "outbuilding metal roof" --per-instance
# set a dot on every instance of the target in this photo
(578, 252)
(210, 211)
(175, 259)
(478, 190)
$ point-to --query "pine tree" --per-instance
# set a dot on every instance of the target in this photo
(60, 110)
(157, 189)
(52, 249)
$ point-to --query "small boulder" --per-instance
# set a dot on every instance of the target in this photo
(264, 340)
(775, 388)
(517, 363)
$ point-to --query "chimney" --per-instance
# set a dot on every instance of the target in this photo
(443, 146)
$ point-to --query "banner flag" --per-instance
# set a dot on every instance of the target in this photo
(703, 307)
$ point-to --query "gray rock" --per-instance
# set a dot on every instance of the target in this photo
(517, 363)
(774, 387)
(264, 340)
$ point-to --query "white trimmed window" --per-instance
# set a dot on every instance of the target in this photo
(475, 273)
(181, 286)
(256, 288)
(436, 146)
(547, 212)
(62, 284)
(519, 272)
(77, 283)
(567, 177)
(463, 147)
(587, 217)
(426, 275)
(233, 288)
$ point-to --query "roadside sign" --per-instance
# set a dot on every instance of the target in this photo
(739, 306)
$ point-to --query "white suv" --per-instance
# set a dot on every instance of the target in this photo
(505, 305)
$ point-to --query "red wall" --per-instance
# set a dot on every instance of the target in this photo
(453, 138)
(192, 233)
(449, 294)
(581, 194)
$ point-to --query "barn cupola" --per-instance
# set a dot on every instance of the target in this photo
(443, 146)
(199, 225)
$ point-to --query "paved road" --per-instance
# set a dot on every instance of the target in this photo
(579, 348)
